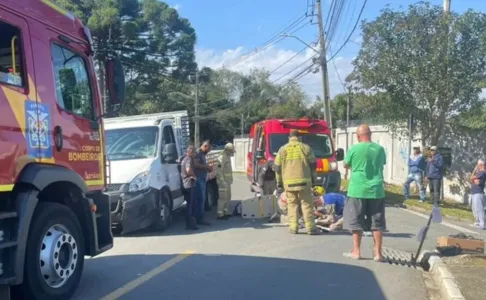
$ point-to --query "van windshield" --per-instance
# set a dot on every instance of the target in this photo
(131, 143)
(320, 143)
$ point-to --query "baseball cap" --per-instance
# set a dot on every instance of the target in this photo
(433, 148)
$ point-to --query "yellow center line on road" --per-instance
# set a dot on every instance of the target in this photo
(147, 276)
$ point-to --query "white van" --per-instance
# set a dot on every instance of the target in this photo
(144, 183)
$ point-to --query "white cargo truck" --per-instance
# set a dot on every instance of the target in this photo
(143, 178)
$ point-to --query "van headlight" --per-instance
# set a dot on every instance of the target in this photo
(140, 182)
(334, 166)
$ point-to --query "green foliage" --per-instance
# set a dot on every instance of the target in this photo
(422, 61)
(156, 47)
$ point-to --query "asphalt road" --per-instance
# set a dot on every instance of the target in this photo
(242, 259)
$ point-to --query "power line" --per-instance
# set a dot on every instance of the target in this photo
(312, 57)
(287, 61)
(337, 72)
(275, 39)
(333, 25)
(352, 31)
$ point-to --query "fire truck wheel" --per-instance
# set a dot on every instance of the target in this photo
(54, 258)
(164, 215)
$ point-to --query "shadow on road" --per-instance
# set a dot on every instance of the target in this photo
(178, 224)
(218, 276)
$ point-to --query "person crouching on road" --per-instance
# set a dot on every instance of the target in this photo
(329, 210)
(295, 165)
(189, 185)
(478, 200)
(416, 169)
(224, 177)
(366, 192)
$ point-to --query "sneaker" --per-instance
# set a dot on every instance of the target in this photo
(367, 233)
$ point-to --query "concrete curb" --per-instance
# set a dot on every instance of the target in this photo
(442, 276)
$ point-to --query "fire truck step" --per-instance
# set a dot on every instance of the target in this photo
(7, 244)
(7, 215)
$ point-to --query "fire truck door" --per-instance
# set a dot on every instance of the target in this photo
(75, 128)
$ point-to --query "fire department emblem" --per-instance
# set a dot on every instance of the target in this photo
(37, 129)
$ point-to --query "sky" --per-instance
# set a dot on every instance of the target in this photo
(228, 32)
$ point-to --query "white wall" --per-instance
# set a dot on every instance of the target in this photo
(239, 162)
(467, 147)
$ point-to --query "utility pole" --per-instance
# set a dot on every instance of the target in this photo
(323, 63)
(447, 6)
(242, 124)
(348, 112)
(196, 113)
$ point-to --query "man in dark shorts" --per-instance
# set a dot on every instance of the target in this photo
(366, 192)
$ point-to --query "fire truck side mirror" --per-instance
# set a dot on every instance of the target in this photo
(260, 154)
(115, 81)
(339, 154)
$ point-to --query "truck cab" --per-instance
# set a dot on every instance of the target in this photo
(53, 211)
(144, 181)
(266, 138)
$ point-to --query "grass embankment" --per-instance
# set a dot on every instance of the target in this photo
(394, 196)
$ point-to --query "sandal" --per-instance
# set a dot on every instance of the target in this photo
(351, 255)
(377, 259)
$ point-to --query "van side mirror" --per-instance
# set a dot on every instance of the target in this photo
(260, 154)
(115, 82)
(339, 154)
(169, 154)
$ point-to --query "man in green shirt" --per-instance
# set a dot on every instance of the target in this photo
(366, 192)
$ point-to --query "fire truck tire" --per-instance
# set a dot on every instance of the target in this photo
(54, 258)
(164, 212)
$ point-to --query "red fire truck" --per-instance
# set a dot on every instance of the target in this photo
(53, 211)
(266, 138)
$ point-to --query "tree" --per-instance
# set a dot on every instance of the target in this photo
(153, 42)
(422, 62)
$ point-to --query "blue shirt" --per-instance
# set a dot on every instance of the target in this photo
(416, 164)
(201, 173)
(336, 199)
(435, 167)
(479, 189)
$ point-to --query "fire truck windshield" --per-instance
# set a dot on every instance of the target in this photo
(320, 143)
(131, 143)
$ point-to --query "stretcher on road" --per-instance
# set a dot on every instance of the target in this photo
(259, 207)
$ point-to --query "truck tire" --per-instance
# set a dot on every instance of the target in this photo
(54, 257)
(164, 212)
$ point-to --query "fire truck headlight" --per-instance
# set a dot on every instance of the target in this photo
(140, 182)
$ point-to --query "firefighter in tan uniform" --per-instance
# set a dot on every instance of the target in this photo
(295, 166)
(224, 177)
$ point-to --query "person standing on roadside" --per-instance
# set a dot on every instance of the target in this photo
(189, 184)
(434, 174)
(366, 192)
(224, 177)
(416, 170)
(295, 166)
(202, 169)
(478, 200)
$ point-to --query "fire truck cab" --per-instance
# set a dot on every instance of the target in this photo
(266, 138)
(53, 210)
